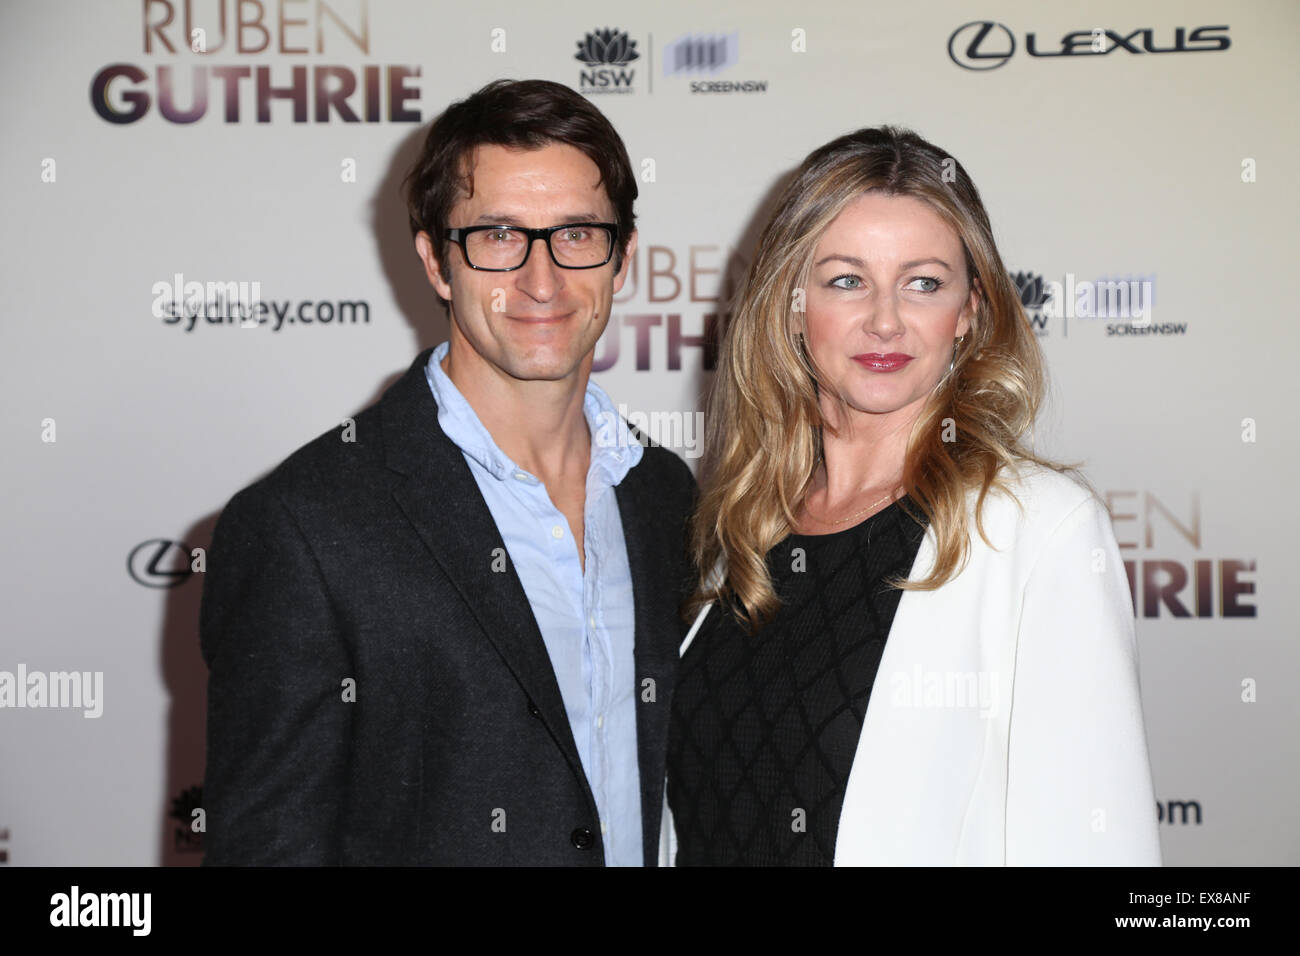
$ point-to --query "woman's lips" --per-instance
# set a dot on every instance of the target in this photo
(882, 363)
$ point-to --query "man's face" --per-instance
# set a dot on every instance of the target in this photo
(541, 321)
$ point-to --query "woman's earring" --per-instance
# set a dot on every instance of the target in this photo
(953, 363)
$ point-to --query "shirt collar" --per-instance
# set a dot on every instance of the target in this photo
(614, 451)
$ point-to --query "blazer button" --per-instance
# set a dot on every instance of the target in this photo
(533, 709)
(582, 838)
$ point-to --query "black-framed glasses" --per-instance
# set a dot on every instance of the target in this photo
(574, 245)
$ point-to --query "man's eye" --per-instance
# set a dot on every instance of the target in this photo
(574, 235)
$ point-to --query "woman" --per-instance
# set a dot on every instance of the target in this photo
(914, 639)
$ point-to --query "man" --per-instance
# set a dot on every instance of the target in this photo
(450, 637)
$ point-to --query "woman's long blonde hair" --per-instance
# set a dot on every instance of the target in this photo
(765, 422)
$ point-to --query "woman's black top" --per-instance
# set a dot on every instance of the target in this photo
(765, 726)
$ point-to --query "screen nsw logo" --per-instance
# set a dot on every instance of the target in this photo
(703, 53)
(701, 57)
(204, 58)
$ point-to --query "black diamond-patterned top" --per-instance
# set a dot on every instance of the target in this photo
(764, 727)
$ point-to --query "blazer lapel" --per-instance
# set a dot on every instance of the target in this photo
(917, 759)
(656, 602)
(443, 502)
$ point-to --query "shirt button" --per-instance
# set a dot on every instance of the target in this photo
(557, 532)
(591, 619)
(521, 476)
(604, 827)
(600, 721)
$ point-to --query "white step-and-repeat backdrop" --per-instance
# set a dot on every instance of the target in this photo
(1126, 151)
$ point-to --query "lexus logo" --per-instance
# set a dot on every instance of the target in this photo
(985, 45)
(148, 563)
(980, 51)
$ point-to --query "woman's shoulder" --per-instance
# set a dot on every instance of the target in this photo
(1040, 495)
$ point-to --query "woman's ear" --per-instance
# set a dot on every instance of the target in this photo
(971, 308)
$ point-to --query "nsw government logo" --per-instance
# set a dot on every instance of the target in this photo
(606, 54)
(1033, 296)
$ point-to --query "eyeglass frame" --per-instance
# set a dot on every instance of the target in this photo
(458, 236)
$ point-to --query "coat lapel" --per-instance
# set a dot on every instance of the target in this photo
(442, 500)
(656, 604)
(918, 759)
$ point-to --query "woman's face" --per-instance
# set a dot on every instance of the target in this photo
(887, 297)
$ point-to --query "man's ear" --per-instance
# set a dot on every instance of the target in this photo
(432, 267)
(621, 275)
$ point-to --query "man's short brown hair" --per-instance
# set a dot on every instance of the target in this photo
(518, 114)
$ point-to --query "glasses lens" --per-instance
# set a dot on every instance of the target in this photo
(496, 248)
(580, 245)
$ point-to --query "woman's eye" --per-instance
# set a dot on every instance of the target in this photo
(846, 282)
(934, 283)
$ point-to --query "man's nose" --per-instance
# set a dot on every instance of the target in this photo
(539, 277)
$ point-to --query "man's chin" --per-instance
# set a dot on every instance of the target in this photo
(545, 368)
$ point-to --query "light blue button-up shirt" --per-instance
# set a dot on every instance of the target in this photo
(586, 616)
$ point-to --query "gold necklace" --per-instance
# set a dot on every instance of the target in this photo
(856, 513)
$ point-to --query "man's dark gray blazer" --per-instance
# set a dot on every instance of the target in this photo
(372, 561)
